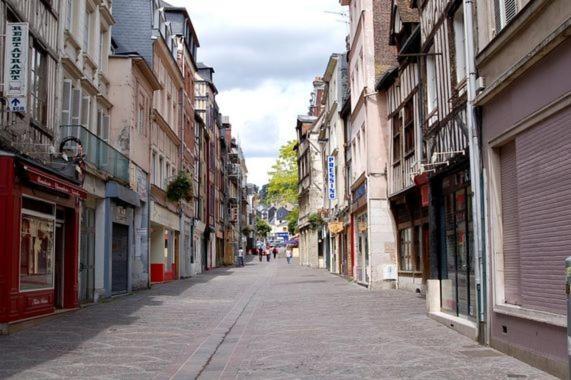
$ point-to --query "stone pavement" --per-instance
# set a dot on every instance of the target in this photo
(264, 321)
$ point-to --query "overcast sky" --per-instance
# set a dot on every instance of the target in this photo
(266, 54)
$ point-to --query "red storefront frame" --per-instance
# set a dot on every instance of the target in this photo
(19, 179)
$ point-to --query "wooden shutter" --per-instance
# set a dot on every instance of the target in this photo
(76, 106)
(510, 224)
(66, 103)
(544, 191)
(105, 130)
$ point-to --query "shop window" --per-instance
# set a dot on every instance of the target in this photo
(37, 245)
(38, 82)
(406, 256)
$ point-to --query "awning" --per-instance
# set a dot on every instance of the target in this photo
(114, 190)
(51, 183)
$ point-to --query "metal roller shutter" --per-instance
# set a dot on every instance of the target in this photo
(544, 193)
(510, 223)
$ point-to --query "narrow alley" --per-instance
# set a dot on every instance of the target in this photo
(266, 320)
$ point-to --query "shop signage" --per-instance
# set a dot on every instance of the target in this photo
(331, 177)
(16, 66)
(336, 227)
(360, 192)
(52, 184)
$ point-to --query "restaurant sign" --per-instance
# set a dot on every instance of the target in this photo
(16, 66)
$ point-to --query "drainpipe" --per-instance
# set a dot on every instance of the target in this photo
(475, 171)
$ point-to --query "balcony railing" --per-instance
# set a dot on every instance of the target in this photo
(99, 153)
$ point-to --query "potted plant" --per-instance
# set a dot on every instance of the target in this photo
(180, 187)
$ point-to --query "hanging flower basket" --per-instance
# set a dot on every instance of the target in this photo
(180, 188)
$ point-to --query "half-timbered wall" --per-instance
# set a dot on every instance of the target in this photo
(444, 126)
(20, 131)
(403, 165)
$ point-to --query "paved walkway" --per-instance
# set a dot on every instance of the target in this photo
(264, 321)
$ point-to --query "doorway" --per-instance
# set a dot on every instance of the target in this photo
(59, 265)
(120, 259)
(87, 256)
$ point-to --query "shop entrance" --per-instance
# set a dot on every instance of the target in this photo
(59, 267)
(457, 260)
(87, 258)
(120, 258)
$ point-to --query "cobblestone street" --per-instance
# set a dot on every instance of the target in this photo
(267, 320)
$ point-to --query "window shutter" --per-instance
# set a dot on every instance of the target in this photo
(66, 103)
(75, 106)
(105, 127)
(85, 112)
(510, 223)
(510, 10)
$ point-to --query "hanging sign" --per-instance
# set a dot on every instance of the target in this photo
(331, 177)
(16, 66)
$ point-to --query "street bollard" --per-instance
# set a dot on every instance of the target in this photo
(568, 290)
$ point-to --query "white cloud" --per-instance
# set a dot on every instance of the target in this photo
(265, 53)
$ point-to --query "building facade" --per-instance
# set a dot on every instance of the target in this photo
(523, 57)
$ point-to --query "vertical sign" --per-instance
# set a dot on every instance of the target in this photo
(331, 177)
(16, 66)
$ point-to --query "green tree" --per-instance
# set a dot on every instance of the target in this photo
(292, 220)
(283, 184)
(263, 229)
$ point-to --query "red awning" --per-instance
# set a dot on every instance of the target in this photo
(53, 183)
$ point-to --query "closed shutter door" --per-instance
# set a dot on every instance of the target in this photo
(544, 190)
(510, 224)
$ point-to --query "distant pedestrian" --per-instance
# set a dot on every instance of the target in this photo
(288, 256)
(275, 252)
(240, 257)
(268, 255)
(260, 254)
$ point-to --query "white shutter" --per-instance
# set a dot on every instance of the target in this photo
(66, 103)
(85, 111)
(105, 125)
(75, 107)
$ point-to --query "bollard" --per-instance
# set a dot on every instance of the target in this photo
(568, 290)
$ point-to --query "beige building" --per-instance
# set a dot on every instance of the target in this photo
(133, 84)
(370, 56)
(310, 189)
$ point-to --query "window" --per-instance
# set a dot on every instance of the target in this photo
(161, 172)
(86, 29)
(406, 257)
(397, 124)
(408, 129)
(141, 118)
(167, 173)
(38, 90)
(154, 168)
(86, 112)
(507, 10)
(75, 106)
(103, 124)
(37, 245)
(460, 44)
(68, 14)
(66, 102)
(431, 81)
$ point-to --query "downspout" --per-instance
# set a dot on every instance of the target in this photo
(476, 175)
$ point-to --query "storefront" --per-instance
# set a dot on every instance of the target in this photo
(412, 237)
(457, 279)
(39, 248)
(165, 226)
(360, 234)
